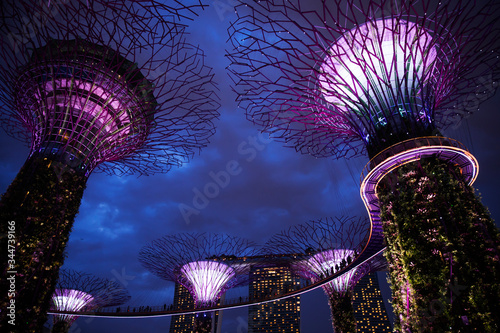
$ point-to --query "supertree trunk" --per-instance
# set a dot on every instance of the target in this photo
(203, 323)
(85, 92)
(343, 320)
(442, 248)
(42, 202)
(61, 327)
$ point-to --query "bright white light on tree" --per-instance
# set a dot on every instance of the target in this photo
(70, 300)
(378, 66)
(207, 279)
(324, 263)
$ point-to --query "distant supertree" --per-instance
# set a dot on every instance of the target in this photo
(202, 264)
(77, 291)
(88, 85)
(325, 247)
(336, 78)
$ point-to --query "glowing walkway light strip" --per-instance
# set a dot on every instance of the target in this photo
(468, 164)
(207, 279)
(295, 293)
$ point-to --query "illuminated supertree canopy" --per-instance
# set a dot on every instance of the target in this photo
(334, 78)
(77, 291)
(329, 261)
(337, 78)
(138, 102)
(201, 263)
(90, 85)
(207, 278)
(329, 245)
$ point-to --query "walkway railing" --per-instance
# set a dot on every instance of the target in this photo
(168, 310)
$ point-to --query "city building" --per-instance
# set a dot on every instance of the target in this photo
(278, 316)
(369, 309)
(182, 300)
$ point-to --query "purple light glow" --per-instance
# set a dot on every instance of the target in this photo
(346, 77)
(381, 65)
(324, 263)
(108, 116)
(89, 109)
(208, 279)
(377, 58)
(70, 300)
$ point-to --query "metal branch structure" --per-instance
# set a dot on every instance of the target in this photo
(90, 85)
(323, 248)
(202, 263)
(337, 78)
(139, 98)
(77, 291)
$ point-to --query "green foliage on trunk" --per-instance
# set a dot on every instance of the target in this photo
(442, 248)
(43, 201)
(61, 327)
(343, 319)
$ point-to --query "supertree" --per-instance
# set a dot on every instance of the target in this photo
(88, 85)
(337, 78)
(206, 264)
(324, 247)
(77, 291)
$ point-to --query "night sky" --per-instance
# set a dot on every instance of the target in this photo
(271, 188)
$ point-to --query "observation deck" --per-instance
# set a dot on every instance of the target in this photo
(405, 152)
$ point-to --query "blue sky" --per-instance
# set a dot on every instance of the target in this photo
(268, 189)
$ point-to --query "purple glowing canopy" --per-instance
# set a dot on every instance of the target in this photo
(324, 247)
(376, 65)
(119, 90)
(206, 264)
(207, 279)
(77, 291)
(333, 78)
(70, 300)
(326, 262)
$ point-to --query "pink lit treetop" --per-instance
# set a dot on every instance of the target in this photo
(336, 78)
(327, 246)
(78, 291)
(206, 264)
(106, 85)
(344, 77)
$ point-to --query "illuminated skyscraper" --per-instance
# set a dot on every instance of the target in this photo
(182, 300)
(369, 308)
(278, 316)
